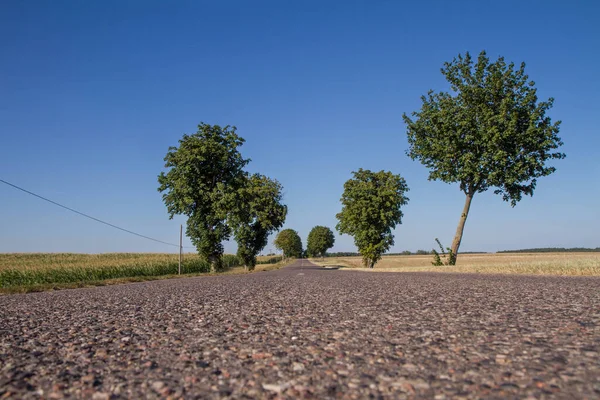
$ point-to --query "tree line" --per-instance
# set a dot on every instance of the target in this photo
(554, 250)
(489, 131)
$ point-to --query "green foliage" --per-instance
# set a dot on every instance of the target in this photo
(489, 132)
(289, 242)
(449, 259)
(406, 253)
(203, 172)
(342, 254)
(271, 260)
(320, 239)
(255, 212)
(422, 252)
(231, 260)
(371, 205)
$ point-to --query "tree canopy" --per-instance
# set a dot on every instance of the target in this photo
(205, 169)
(490, 131)
(255, 211)
(289, 242)
(320, 239)
(371, 209)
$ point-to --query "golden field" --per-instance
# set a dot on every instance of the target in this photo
(585, 263)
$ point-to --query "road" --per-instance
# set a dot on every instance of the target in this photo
(307, 332)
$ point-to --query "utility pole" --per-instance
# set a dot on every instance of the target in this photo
(180, 246)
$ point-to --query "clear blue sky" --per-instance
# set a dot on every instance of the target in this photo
(92, 93)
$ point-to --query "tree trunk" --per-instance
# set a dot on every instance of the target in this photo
(461, 225)
(214, 263)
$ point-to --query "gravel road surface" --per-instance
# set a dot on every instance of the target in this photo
(307, 332)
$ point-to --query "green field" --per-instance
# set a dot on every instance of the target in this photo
(40, 271)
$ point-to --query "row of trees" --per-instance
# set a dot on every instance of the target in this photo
(206, 182)
(489, 131)
(320, 239)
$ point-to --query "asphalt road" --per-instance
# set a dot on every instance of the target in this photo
(307, 332)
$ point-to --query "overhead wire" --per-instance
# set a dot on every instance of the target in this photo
(88, 216)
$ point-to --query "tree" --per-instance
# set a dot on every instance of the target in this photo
(255, 212)
(289, 242)
(204, 170)
(491, 131)
(371, 205)
(320, 239)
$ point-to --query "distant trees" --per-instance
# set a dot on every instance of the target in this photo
(343, 254)
(320, 239)
(206, 182)
(371, 208)
(553, 250)
(290, 243)
(490, 131)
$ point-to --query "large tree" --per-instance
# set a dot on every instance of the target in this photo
(320, 239)
(371, 209)
(490, 131)
(205, 169)
(289, 242)
(255, 212)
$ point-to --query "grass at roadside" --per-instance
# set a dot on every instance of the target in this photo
(47, 271)
(584, 264)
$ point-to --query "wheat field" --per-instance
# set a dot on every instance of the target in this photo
(585, 263)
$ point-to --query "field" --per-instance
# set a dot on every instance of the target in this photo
(491, 263)
(42, 271)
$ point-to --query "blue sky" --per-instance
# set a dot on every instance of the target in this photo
(92, 93)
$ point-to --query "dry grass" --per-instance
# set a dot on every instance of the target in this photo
(493, 263)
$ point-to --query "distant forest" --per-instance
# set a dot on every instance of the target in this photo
(552, 250)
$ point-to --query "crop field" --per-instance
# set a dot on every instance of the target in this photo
(31, 271)
(490, 263)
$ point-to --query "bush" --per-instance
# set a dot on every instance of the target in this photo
(271, 260)
(449, 259)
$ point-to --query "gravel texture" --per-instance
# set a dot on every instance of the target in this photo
(307, 332)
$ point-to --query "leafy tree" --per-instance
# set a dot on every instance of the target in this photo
(289, 242)
(371, 205)
(255, 212)
(320, 239)
(490, 131)
(204, 170)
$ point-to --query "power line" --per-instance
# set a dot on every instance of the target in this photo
(86, 215)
